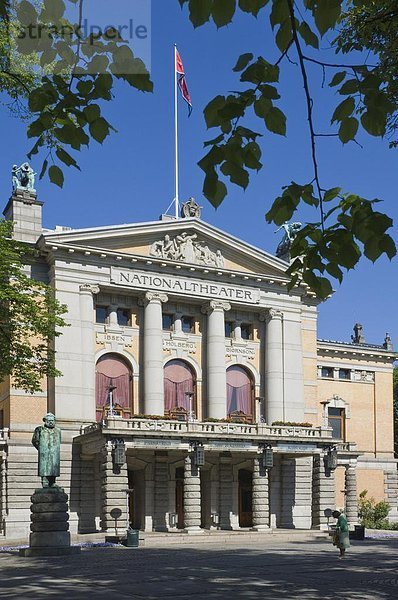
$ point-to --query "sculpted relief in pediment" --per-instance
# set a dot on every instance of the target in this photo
(187, 248)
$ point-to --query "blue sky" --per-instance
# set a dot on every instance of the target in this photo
(130, 177)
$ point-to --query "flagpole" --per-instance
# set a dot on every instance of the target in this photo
(177, 191)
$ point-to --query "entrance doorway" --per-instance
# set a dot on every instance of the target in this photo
(180, 497)
(136, 498)
(245, 498)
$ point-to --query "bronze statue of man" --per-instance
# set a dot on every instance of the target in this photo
(47, 440)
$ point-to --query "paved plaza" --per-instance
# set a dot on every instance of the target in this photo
(277, 570)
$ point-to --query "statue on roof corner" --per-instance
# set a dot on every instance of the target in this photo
(358, 337)
(191, 209)
(23, 178)
(291, 230)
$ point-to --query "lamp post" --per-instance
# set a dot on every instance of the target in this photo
(111, 412)
(191, 414)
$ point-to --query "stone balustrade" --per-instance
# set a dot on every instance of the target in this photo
(211, 429)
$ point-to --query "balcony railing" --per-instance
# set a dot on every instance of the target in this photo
(168, 427)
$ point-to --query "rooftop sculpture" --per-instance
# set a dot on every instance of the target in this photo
(291, 230)
(23, 178)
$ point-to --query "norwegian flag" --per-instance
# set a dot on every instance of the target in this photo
(182, 83)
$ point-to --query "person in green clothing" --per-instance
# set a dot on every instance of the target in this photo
(342, 537)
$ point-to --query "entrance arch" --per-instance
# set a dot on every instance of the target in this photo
(240, 393)
(113, 371)
(179, 382)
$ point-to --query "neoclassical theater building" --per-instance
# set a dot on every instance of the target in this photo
(194, 393)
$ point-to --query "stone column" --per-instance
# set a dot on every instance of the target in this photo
(161, 493)
(216, 372)
(153, 353)
(114, 483)
(351, 499)
(112, 315)
(192, 499)
(87, 347)
(274, 397)
(225, 496)
(323, 492)
(260, 496)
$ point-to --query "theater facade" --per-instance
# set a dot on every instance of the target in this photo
(194, 393)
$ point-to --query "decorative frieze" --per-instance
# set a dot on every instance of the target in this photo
(185, 247)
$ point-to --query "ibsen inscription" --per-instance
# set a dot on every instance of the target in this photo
(182, 285)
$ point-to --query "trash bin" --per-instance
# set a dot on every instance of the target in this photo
(133, 538)
(359, 532)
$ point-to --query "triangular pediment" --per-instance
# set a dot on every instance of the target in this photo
(187, 241)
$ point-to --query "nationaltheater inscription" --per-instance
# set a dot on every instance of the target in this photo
(180, 285)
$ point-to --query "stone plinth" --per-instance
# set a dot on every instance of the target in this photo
(49, 524)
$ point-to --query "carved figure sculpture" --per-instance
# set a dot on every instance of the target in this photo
(191, 209)
(23, 177)
(47, 441)
(186, 248)
(291, 231)
(358, 337)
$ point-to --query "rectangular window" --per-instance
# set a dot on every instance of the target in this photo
(123, 317)
(344, 374)
(229, 329)
(167, 322)
(327, 372)
(187, 324)
(336, 420)
(101, 314)
(246, 331)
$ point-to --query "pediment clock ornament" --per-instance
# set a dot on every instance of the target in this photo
(186, 248)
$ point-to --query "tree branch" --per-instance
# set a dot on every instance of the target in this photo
(309, 110)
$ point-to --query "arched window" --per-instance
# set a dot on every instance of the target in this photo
(179, 381)
(113, 372)
(240, 392)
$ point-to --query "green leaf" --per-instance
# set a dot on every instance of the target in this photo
(252, 156)
(344, 109)
(348, 129)
(211, 111)
(92, 112)
(275, 121)
(331, 194)
(269, 91)
(334, 270)
(308, 35)
(99, 129)
(351, 86)
(66, 158)
(236, 173)
(243, 61)
(284, 35)
(326, 14)
(262, 106)
(223, 11)
(252, 6)
(374, 122)
(200, 11)
(56, 175)
(280, 12)
(43, 168)
(214, 189)
(337, 78)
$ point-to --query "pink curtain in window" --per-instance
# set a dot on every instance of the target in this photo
(112, 370)
(178, 380)
(239, 391)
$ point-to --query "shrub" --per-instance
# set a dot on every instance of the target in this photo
(372, 514)
(292, 424)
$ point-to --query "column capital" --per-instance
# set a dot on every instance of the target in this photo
(271, 313)
(215, 305)
(88, 288)
(152, 297)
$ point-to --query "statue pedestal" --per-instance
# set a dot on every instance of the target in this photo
(49, 524)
